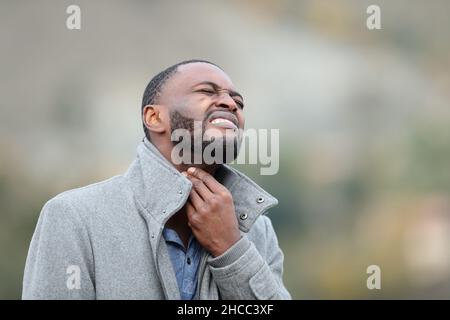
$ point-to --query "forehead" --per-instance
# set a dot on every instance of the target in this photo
(189, 75)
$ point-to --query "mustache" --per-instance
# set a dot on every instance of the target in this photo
(209, 113)
(176, 115)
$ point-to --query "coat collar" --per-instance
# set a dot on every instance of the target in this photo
(161, 190)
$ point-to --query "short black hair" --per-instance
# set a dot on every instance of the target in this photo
(155, 85)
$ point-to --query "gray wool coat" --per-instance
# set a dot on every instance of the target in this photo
(104, 241)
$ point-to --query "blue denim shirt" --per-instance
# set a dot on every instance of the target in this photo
(185, 262)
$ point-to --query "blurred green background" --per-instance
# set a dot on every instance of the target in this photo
(364, 119)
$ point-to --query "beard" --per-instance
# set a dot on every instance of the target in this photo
(229, 146)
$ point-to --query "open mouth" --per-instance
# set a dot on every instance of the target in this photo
(224, 120)
(221, 122)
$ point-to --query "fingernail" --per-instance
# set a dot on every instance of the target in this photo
(191, 170)
(184, 173)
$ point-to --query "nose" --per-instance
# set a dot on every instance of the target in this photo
(226, 101)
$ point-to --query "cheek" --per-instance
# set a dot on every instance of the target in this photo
(165, 117)
(202, 104)
(241, 120)
(194, 108)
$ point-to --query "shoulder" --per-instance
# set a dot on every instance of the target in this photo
(84, 199)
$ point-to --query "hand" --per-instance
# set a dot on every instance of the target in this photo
(210, 212)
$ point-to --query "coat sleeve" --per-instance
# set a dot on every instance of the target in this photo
(60, 261)
(242, 272)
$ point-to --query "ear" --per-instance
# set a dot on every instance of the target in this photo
(151, 116)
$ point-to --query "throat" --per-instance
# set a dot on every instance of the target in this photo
(179, 223)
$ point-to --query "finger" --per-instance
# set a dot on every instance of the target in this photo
(199, 186)
(190, 209)
(195, 199)
(208, 179)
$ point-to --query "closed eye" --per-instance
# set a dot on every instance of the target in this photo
(207, 91)
(211, 92)
(240, 104)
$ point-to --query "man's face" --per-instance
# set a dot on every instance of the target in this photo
(203, 93)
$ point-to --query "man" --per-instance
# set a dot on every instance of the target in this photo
(165, 229)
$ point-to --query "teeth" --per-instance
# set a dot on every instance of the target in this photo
(221, 120)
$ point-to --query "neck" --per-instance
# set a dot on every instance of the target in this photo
(179, 221)
(166, 151)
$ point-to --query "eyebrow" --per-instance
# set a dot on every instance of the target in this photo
(216, 87)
